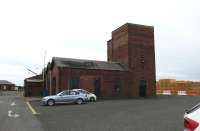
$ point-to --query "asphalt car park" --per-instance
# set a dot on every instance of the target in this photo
(15, 114)
(163, 113)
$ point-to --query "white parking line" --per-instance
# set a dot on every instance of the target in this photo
(31, 108)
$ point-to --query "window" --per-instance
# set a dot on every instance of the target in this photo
(142, 55)
(142, 58)
(117, 85)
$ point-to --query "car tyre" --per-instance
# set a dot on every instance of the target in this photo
(92, 99)
(50, 102)
(79, 101)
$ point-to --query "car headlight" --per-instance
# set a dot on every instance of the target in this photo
(44, 99)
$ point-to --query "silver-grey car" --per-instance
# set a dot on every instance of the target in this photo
(66, 96)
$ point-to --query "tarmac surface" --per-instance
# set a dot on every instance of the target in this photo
(162, 113)
(15, 114)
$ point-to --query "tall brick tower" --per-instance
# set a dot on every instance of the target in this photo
(133, 46)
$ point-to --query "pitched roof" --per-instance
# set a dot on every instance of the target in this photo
(36, 78)
(5, 82)
(88, 64)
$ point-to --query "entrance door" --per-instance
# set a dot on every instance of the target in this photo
(142, 88)
(97, 84)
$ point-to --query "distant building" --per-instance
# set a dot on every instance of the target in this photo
(129, 71)
(6, 85)
(33, 86)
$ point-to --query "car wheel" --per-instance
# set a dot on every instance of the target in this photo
(92, 99)
(50, 102)
(79, 101)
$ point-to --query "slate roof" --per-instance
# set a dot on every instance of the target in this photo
(5, 82)
(88, 64)
(36, 78)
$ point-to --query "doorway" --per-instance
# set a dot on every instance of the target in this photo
(97, 85)
(142, 88)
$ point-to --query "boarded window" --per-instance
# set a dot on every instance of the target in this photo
(117, 85)
(74, 83)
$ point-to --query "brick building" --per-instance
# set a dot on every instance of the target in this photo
(129, 71)
(33, 86)
(6, 85)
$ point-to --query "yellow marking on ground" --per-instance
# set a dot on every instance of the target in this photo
(31, 108)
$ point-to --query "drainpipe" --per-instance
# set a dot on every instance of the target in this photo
(50, 82)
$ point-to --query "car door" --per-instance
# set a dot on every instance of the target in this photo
(65, 97)
(72, 96)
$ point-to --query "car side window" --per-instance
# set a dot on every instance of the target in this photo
(72, 93)
(65, 93)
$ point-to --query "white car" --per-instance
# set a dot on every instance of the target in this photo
(91, 97)
(192, 119)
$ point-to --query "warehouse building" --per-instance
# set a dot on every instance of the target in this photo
(129, 71)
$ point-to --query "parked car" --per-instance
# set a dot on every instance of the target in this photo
(192, 119)
(66, 96)
(91, 97)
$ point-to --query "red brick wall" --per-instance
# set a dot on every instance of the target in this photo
(109, 50)
(119, 46)
(55, 79)
(87, 78)
(87, 82)
(133, 45)
(142, 56)
(33, 88)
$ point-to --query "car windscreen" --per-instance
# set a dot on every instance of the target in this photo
(63, 93)
(196, 107)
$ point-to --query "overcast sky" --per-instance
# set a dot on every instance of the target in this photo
(80, 29)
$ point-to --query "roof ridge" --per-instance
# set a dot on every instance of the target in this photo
(84, 59)
(6, 82)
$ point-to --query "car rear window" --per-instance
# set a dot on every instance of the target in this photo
(196, 107)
